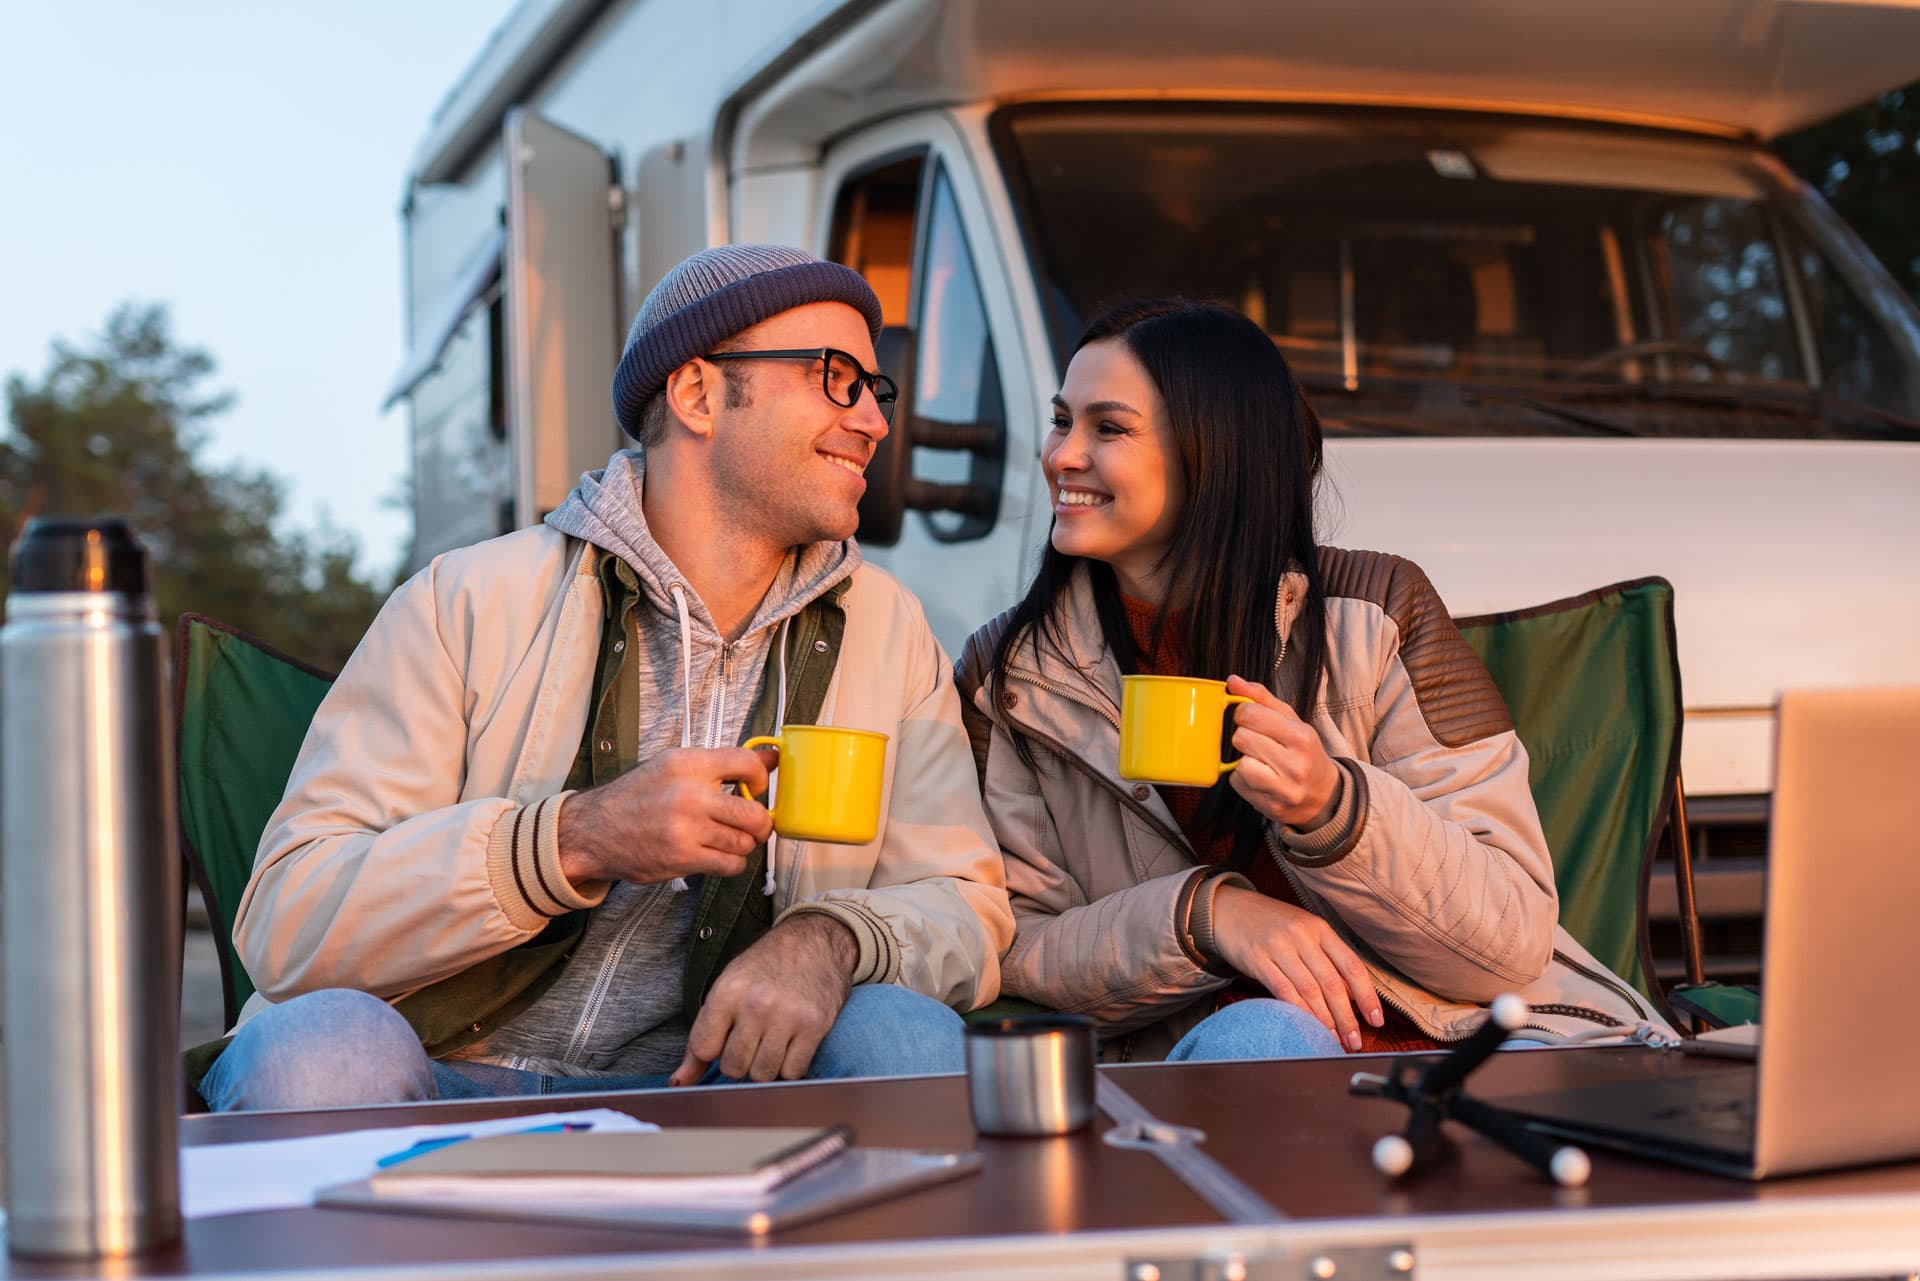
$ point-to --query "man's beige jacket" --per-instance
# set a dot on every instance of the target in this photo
(412, 842)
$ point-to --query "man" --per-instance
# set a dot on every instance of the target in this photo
(515, 820)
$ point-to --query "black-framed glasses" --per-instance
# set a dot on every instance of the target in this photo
(841, 376)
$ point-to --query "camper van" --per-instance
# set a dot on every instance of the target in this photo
(1565, 318)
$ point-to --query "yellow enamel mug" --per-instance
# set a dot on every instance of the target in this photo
(829, 782)
(1170, 729)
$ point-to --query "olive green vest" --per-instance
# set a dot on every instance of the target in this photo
(731, 913)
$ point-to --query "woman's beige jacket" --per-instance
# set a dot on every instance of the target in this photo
(1435, 871)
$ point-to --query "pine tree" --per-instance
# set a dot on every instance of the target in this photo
(120, 426)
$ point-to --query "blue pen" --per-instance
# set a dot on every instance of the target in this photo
(424, 1146)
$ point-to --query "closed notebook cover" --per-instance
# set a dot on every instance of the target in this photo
(716, 1160)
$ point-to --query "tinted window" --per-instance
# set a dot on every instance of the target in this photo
(1415, 253)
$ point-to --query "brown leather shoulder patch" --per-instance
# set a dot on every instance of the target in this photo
(969, 673)
(1457, 698)
(976, 655)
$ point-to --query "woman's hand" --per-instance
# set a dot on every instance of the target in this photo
(1296, 956)
(1284, 772)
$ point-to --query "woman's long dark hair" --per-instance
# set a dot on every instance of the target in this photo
(1250, 447)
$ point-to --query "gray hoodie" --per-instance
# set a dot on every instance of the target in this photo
(616, 1010)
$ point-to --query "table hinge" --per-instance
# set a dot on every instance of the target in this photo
(1354, 1263)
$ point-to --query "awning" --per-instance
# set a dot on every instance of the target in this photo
(1759, 67)
(479, 276)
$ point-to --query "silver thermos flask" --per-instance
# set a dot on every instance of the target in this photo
(90, 899)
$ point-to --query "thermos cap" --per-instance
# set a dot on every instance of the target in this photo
(78, 554)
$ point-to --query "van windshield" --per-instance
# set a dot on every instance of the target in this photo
(1502, 270)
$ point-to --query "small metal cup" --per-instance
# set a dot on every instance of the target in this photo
(1031, 1075)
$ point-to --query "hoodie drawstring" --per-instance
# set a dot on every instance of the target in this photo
(679, 883)
(779, 728)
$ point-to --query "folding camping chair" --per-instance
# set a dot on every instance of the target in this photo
(241, 711)
(1593, 685)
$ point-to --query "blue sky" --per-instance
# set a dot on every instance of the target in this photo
(243, 163)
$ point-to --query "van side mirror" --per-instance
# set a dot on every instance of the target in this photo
(883, 508)
(892, 490)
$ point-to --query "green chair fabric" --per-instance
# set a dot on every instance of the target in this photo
(1717, 1004)
(241, 711)
(1593, 683)
(1007, 1007)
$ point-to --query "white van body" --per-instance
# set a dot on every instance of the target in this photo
(1750, 437)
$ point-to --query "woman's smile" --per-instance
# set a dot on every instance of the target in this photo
(1077, 502)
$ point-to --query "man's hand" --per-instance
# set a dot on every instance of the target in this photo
(1296, 956)
(674, 815)
(770, 1009)
(1284, 771)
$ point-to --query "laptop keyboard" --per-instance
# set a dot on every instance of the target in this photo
(1730, 1116)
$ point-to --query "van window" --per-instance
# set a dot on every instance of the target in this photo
(903, 233)
(872, 232)
(956, 378)
(1447, 274)
(1858, 359)
(1720, 288)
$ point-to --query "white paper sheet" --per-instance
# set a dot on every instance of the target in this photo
(233, 1178)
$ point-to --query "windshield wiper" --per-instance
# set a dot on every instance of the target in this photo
(1422, 407)
(1835, 412)
(1552, 409)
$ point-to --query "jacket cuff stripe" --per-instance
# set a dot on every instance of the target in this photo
(545, 855)
(523, 866)
(1197, 936)
(879, 959)
(505, 877)
(1336, 838)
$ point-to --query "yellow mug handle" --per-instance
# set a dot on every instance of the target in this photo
(758, 740)
(1227, 767)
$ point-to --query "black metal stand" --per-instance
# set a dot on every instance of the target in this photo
(1438, 1094)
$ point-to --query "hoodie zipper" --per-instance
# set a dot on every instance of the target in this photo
(603, 981)
(717, 709)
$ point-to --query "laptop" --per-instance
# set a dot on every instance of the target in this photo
(1839, 1044)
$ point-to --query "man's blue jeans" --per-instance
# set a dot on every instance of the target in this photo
(341, 1048)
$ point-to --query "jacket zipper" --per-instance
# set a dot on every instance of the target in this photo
(1054, 687)
(1605, 981)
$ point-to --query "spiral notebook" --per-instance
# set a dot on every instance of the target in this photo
(703, 1164)
(856, 1177)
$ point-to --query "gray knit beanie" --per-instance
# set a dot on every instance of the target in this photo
(711, 297)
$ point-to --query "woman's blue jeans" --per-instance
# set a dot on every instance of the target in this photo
(341, 1048)
(1269, 1029)
(1256, 1029)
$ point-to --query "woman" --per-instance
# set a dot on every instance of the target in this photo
(1373, 872)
